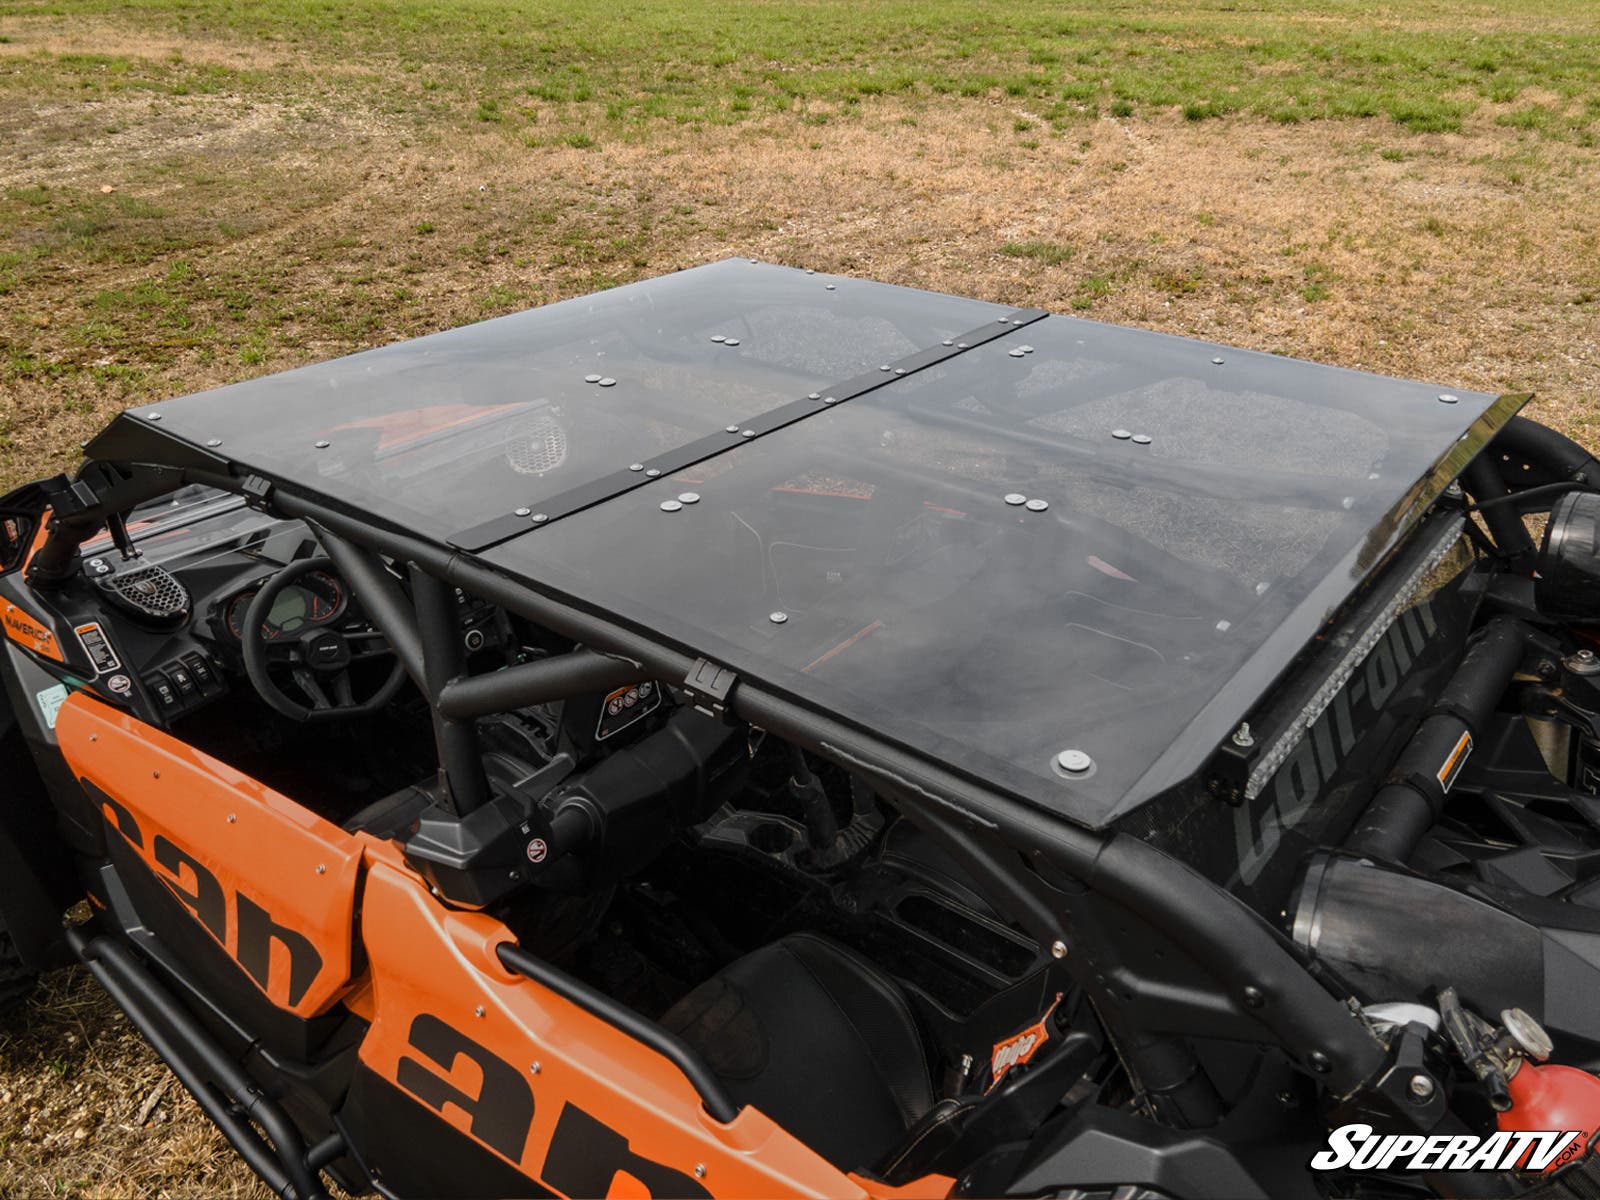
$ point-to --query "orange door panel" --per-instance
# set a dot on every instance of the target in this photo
(272, 882)
(519, 1069)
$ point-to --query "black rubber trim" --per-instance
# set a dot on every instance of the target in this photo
(502, 529)
(228, 1096)
(671, 1047)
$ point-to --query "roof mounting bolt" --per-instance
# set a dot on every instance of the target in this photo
(961, 346)
(899, 370)
(1121, 435)
(653, 473)
(725, 342)
(1243, 737)
(214, 442)
(1141, 439)
(540, 518)
(699, 1170)
(717, 337)
(524, 512)
(1038, 505)
(635, 466)
(747, 433)
(322, 868)
(1448, 398)
(608, 382)
(592, 378)
(1015, 499)
(232, 817)
(810, 271)
(1217, 360)
(1019, 352)
(830, 399)
(814, 396)
(321, 445)
(154, 416)
(535, 1068)
(479, 1011)
(1058, 949)
(671, 505)
(948, 342)
(731, 428)
(1421, 1088)
(688, 497)
(1453, 492)
(884, 367)
(778, 618)
(830, 287)
(1026, 349)
(1074, 762)
(1017, 323)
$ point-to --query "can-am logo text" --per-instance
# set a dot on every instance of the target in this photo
(1359, 1148)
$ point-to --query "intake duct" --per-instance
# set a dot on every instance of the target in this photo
(1391, 934)
(1567, 586)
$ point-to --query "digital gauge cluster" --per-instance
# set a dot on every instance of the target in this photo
(316, 598)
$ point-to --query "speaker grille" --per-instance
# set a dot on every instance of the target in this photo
(541, 446)
(148, 591)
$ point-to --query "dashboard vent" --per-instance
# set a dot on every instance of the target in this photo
(149, 592)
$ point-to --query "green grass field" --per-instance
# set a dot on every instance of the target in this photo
(196, 191)
(614, 68)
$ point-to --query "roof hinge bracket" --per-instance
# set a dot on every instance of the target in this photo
(256, 491)
(708, 687)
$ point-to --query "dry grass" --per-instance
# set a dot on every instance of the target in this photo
(86, 1109)
(291, 215)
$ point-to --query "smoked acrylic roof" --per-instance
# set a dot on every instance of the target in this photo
(988, 534)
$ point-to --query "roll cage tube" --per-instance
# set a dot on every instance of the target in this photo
(460, 756)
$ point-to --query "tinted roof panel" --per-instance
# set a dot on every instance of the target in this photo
(449, 431)
(1014, 534)
(919, 599)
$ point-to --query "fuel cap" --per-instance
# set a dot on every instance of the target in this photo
(1527, 1033)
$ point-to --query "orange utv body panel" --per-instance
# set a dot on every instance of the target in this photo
(434, 967)
(273, 883)
(29, 632)
(498, 1056)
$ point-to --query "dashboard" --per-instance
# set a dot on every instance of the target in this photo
(161, 629)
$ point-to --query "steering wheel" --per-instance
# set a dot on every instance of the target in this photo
(319, 659)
